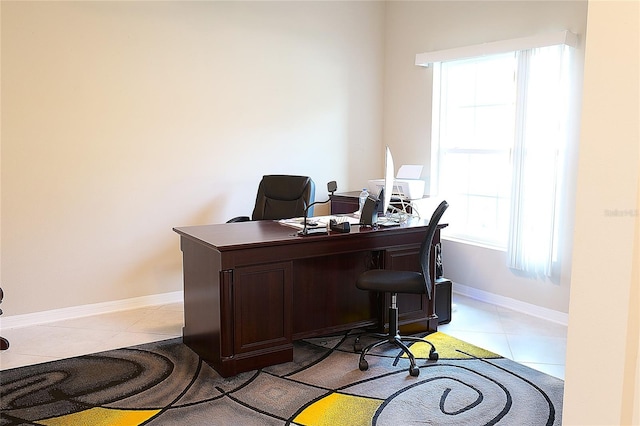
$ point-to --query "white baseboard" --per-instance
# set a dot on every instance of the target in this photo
(513, 304)
(36, 318)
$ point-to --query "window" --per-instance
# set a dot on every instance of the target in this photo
(499, 131)
(476, 119)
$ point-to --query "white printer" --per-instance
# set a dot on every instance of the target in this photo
(407, 184)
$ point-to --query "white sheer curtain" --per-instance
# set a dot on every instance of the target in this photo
(542, 123)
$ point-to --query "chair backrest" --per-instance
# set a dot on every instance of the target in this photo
(283, 197)
(425, 247)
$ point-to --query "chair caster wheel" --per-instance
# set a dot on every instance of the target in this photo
(363, 365)
(414, 371)
(433, 356)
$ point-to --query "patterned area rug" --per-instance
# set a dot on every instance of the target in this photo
(165, 383)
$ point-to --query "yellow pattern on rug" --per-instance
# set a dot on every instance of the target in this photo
(449, 348)
(339, 409)
(102, 416)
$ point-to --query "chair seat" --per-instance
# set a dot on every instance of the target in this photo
(390, 281)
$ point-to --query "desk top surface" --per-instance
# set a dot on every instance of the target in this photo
(233, 236)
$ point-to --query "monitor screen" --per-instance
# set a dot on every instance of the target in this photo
(389, 173)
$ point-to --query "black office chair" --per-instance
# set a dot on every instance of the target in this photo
(394, 282)
(281, 197)
(4, 343)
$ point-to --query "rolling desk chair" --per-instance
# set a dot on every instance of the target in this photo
(281, 197)
(394, 282)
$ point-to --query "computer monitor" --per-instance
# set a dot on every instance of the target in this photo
(389, 177)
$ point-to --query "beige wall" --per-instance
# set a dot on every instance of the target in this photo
(416, 27)
(602, 385)
(121, 120)
(124, 119)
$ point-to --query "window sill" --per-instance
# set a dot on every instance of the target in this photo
(473, 243)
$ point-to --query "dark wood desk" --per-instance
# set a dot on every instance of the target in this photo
(345, 202)
(252, 288)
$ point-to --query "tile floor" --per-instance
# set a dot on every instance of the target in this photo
(528, 340)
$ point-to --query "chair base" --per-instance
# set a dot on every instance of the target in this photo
(394, 338)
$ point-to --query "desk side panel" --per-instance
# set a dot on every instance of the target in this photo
(202, 329)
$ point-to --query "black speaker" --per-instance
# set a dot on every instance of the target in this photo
(369, 215)
(381, 202)
(443, 300)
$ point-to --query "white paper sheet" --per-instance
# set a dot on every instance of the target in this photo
(409, 171)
